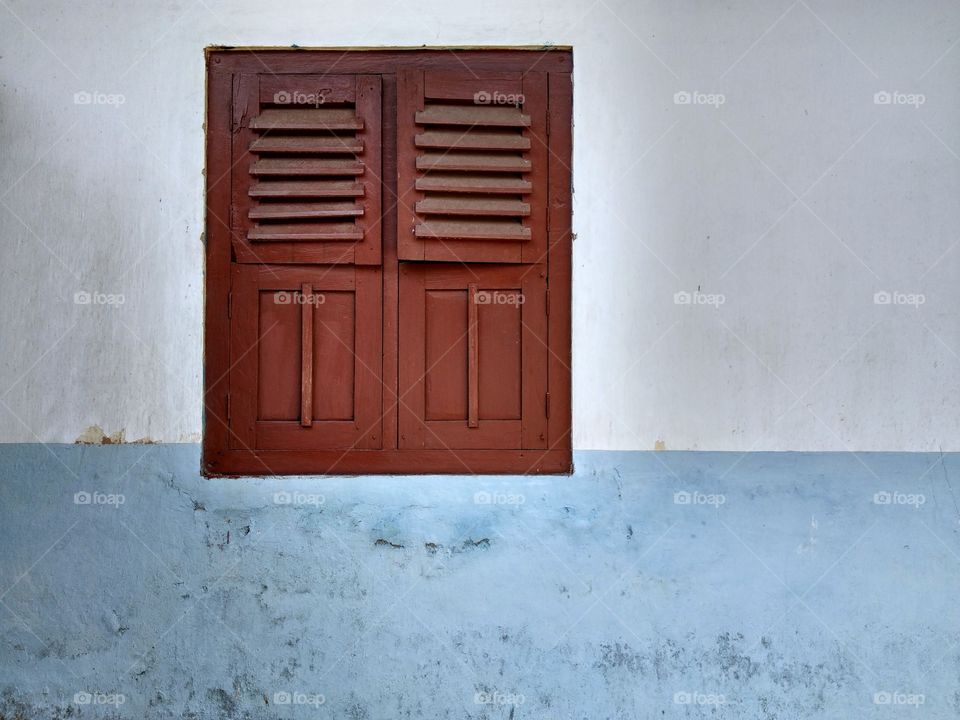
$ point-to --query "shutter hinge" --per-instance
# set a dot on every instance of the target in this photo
(547, 404)
(230, 304)
(228, 407)
(548, 124)
(548, 302)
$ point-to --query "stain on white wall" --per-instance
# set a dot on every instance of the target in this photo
(765, 208)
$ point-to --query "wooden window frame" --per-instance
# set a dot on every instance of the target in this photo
(223, 453)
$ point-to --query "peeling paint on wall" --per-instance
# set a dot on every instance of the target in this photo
(95, 435)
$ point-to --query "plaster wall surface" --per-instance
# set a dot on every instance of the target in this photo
(736, 150)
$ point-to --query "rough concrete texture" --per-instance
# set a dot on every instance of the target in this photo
(781, 586)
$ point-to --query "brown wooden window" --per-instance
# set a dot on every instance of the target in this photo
(388, 261)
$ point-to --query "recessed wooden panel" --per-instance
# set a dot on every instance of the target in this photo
(499, 342)
(334, 334)
(306, 351)
(445, 360)
(278, 379)
(473, 352)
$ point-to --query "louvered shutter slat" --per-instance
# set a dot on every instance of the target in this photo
(457, 139)
(306, 176)
(306, 231)
(286, 211)
(278, 166)
(472, 167)
(472, 206)
(473, 229)
(306, 144)
(473, 162)
(473, 115)
(307, 119)
(306, 189)
(479, 184)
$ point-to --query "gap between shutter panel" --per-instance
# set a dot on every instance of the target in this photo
(306, 361)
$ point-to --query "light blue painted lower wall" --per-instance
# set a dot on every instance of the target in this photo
(782, 589)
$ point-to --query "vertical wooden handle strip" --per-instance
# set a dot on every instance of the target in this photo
(306, 360)
(473, 354)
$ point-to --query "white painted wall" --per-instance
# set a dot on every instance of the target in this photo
(796, 200)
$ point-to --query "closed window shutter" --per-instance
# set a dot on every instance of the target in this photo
(472, 166)
(473, 357)
(434, 348)
(305, 357)
(306, 168)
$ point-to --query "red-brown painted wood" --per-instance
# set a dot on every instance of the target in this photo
(386, 462)
(473, 349)
(473, 359)
(280, 61)
(391, 270)
(306, 168)
(560, 259)
(473, 142)
(409, 103)
(306, 357)
(290, 352)
(216, 349)
(409, 373)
